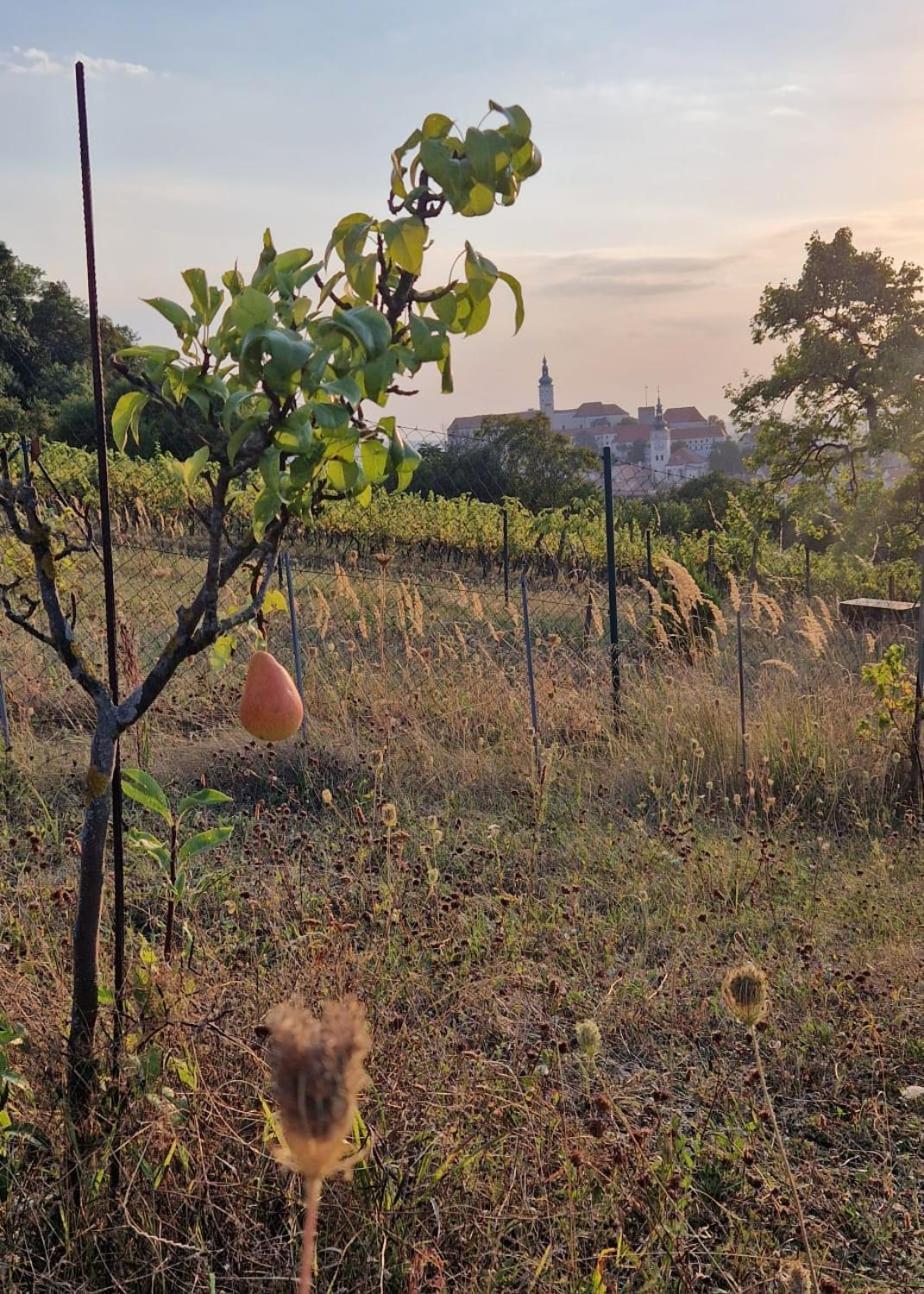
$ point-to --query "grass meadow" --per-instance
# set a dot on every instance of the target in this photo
(485, 891)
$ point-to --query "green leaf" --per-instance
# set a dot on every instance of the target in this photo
(436, 125)
(342, 476)
(194, 466)
(220, 654)
(233, 281)
(157, 354)
(365, 325)
(374, 456)
(348, 387)
(405, 241)
(331, 417)
(296, 435)
(293, 260)
(153, 847)
(480, 274)
(188, 1076)
(428, 339)
(198, 286)
(352, 222)
(202, 841)
(480, 201)
(265, 509)
(125, 416)
(360, 272)
(479, 316)
(203, 799)
(288, 355)
(249, 309)
(518, 126)
(173, 313)
(515, 287)
(146, 791)
(489, 153)
(404, 459)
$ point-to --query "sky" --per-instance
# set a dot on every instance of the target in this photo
(690, 148)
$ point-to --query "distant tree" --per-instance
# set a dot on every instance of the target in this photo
(848, 384)
(637, 452)
(518, 458)
(45, 354)
(725, 457)
(847, 387)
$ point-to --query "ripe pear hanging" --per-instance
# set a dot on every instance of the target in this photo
(271, 709)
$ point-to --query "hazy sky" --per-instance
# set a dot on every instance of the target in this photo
(690, 148)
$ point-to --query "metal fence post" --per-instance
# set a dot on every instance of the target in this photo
(530, 676)
(506, 529)
(296, 641)
(4, 718)
(611, 575)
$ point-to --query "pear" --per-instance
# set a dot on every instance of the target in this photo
(271, 709)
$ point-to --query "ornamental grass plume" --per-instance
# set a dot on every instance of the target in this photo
(317, 1072)
(746, 994)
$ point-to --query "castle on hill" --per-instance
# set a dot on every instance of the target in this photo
(658, 449)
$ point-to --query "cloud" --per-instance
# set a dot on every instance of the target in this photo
(789, 88)
(784, 110)
(627, 276)
(39, 62)
(647, 95)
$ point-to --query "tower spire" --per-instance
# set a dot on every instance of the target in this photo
(546, 391)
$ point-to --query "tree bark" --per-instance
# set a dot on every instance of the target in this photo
(81, 1061)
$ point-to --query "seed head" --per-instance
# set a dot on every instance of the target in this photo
(317, 1071)
(588, 1037)
(746, 994)
(794, 1278)
(389, 815)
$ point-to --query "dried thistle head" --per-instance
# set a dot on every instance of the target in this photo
(794, 1278)
(587, 1033)
(746, 993)
(317, 1071)
(389, 815)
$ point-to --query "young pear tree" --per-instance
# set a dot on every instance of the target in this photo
(280, 381)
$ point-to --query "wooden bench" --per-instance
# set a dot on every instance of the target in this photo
(869, 613)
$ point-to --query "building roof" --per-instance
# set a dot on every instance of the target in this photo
(683, 457)
(472, 422)
(597, 409)
(684, 413)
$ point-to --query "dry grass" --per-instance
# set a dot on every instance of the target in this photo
(479, 931)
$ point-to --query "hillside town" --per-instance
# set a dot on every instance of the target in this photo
(657, 449)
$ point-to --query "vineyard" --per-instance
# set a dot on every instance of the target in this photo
(149, 497)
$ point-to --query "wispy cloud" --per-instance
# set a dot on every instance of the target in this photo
(786, 110)
(40, 62)
(606, 273)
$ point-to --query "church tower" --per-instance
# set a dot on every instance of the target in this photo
(546, 392)
(659, 444)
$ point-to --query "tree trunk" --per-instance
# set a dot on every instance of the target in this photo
(81, 1060)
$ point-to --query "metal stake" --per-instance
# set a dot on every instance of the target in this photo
(102, 460)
